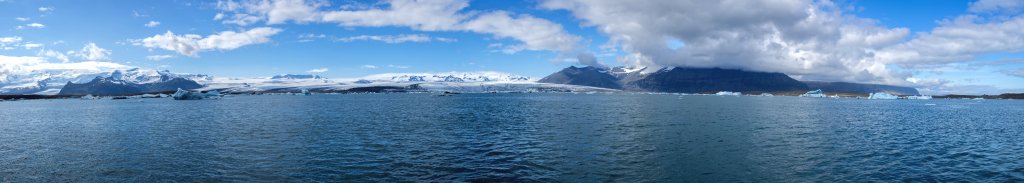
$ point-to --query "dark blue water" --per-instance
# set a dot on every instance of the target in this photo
(511, 137)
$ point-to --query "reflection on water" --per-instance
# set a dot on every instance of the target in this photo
(511, 137)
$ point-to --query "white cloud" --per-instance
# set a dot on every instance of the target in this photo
(370, 66)
(152, 24)
(45, 9)
(29, 46)
(434, 15)
(22, 19)
(394, 39)
(31, 25)
(984, 6)
(320, 70)
(93, 52)
(53, 54)
(805, 39)
(1015, 72)
(192, 44)
(398, 66)
(158, 57)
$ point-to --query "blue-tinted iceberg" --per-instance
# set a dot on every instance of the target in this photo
(191, 95)
(814, 94)
(882, 96)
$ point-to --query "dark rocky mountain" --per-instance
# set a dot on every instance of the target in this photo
(111, 86)
(700, 80)
(703, 80)
(584, 76)
(857, 88)
(677, 80)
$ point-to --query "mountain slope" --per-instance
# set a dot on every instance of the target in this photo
(700, 80)
(677, 80)
(583, 76)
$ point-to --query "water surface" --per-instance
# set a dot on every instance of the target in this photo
(512, 137)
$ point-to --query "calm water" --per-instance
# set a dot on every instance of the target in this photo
(511, 137)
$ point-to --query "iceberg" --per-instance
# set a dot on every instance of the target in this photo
(766, 94)
(882, 96)
(814, 94)
(306, 92)
(90, 97)
(728, 93)
(190, 95)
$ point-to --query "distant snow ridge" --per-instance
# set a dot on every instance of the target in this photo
(296, 76)
(457, 77)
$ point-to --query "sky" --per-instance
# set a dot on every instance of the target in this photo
(939, 47)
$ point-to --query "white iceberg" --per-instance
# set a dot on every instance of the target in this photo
(814, 94)
(882, 96)
(306, 92)
(90, 97)
(728, 93)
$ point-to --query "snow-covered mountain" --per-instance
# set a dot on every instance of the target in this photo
(429, 82)
(50, 81)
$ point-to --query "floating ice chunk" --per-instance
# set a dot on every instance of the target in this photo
(882, 96)
(728, 93)
(814, 94)
(190, 95)
(922, 97)
(90, 97)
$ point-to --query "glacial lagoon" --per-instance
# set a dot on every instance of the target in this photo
(511, 138)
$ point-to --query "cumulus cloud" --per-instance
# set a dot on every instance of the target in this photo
(151, 24)
(320, 70)
(158, 57)
(22, 19)
(589, 60)
(799, 37)
(192, 44)
(369, 66)
(434, 15)
(93, 52)
(394, 39)
(810, 40)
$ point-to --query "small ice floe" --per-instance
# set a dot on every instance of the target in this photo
(191, 95)
(929, 104)
(90, 97)
(814, 94)
(920, 97)
(882, 96)
(766, 94)
(728, 93)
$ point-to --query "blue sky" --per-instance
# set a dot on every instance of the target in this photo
(538, 38)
